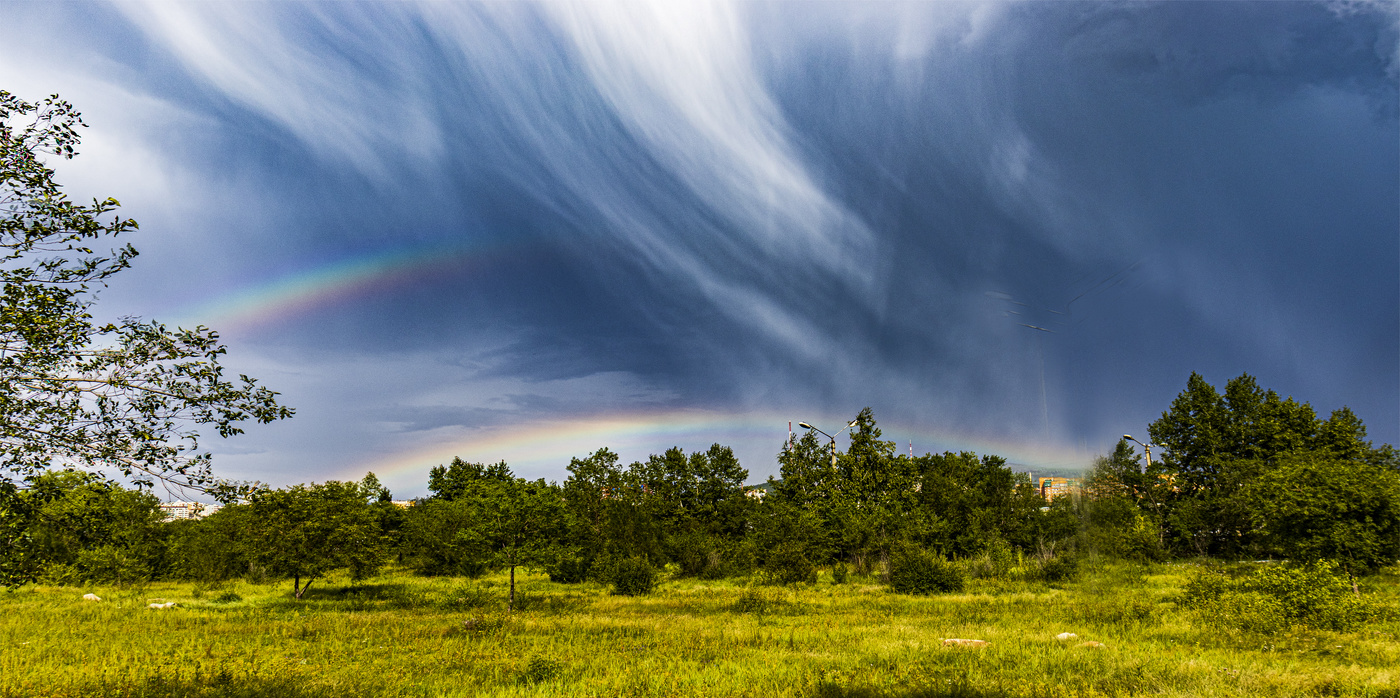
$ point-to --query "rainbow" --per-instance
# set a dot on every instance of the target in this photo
(544, 448)
(296, 293)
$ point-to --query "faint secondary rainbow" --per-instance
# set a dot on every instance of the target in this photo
(299, 292)
(544, 448)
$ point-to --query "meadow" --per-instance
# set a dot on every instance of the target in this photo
(403, 635)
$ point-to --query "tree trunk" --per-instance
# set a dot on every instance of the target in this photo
(303, 589)
(510, 608)
(296, 585)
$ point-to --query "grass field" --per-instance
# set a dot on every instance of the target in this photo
(400, 635)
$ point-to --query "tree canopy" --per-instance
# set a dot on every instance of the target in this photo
(129, 394)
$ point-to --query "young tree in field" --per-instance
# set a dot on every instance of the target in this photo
(130, 395)
(874, 491)
(460, 479)
(720, 505)
(598, 493)
(523, 524)
(211, 549)
(962, 502)
(309, 530)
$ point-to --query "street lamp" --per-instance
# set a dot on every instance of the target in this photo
(1146, 448)
(805, 425)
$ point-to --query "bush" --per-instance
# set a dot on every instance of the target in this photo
(1061, 568)
(789, 565)
(569, 570)
(921, 572)
(996, 562)
(756, 602)
(840, 573)
(1279, 597)
(112, 565)
(633, 577)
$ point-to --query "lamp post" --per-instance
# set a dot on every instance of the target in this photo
(1146, 448)
(1156, 508)
(805, 425)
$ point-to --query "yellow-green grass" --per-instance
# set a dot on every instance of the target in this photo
(401, 635)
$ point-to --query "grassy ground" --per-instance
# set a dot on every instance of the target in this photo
(400, 635)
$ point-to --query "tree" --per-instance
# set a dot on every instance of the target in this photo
(1220, 447)
(1318, 506)
(874, 490)
(1122, 504)
(460, 479)
(68, 526)
(130, 395)
(307, 531)
(523, 524)
(600, 497)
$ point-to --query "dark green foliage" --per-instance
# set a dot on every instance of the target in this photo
(962, 502)
(839, 573)
(438, 538)
(996, 561)
(460, 479)
(1060, 568)
(914, 571)
(757, 602)
(68, 526)
(210, 549)
(1318, 506)
(1220, 448)
(1121, 507)
(569, 569)
(789, 564)
(306, 531)
(1278, 597)
(633, 577)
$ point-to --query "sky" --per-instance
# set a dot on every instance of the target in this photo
(522, 232)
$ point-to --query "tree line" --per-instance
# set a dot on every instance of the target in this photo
(1240, 474)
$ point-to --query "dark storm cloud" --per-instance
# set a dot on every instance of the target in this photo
(786, 206)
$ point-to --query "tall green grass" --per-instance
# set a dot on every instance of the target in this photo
(399, 635)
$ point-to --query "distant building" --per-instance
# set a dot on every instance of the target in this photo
(403, 503)
(1052, 487)
(179, 511)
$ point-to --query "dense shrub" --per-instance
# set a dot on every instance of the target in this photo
(997, 561)
(757, 602)
(112, 565)
(789, 565)
(633, 577)
(1060, 568)
(540, 669)
(920, 572)
(569, 570)
(1278, 597)
(839, 573)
